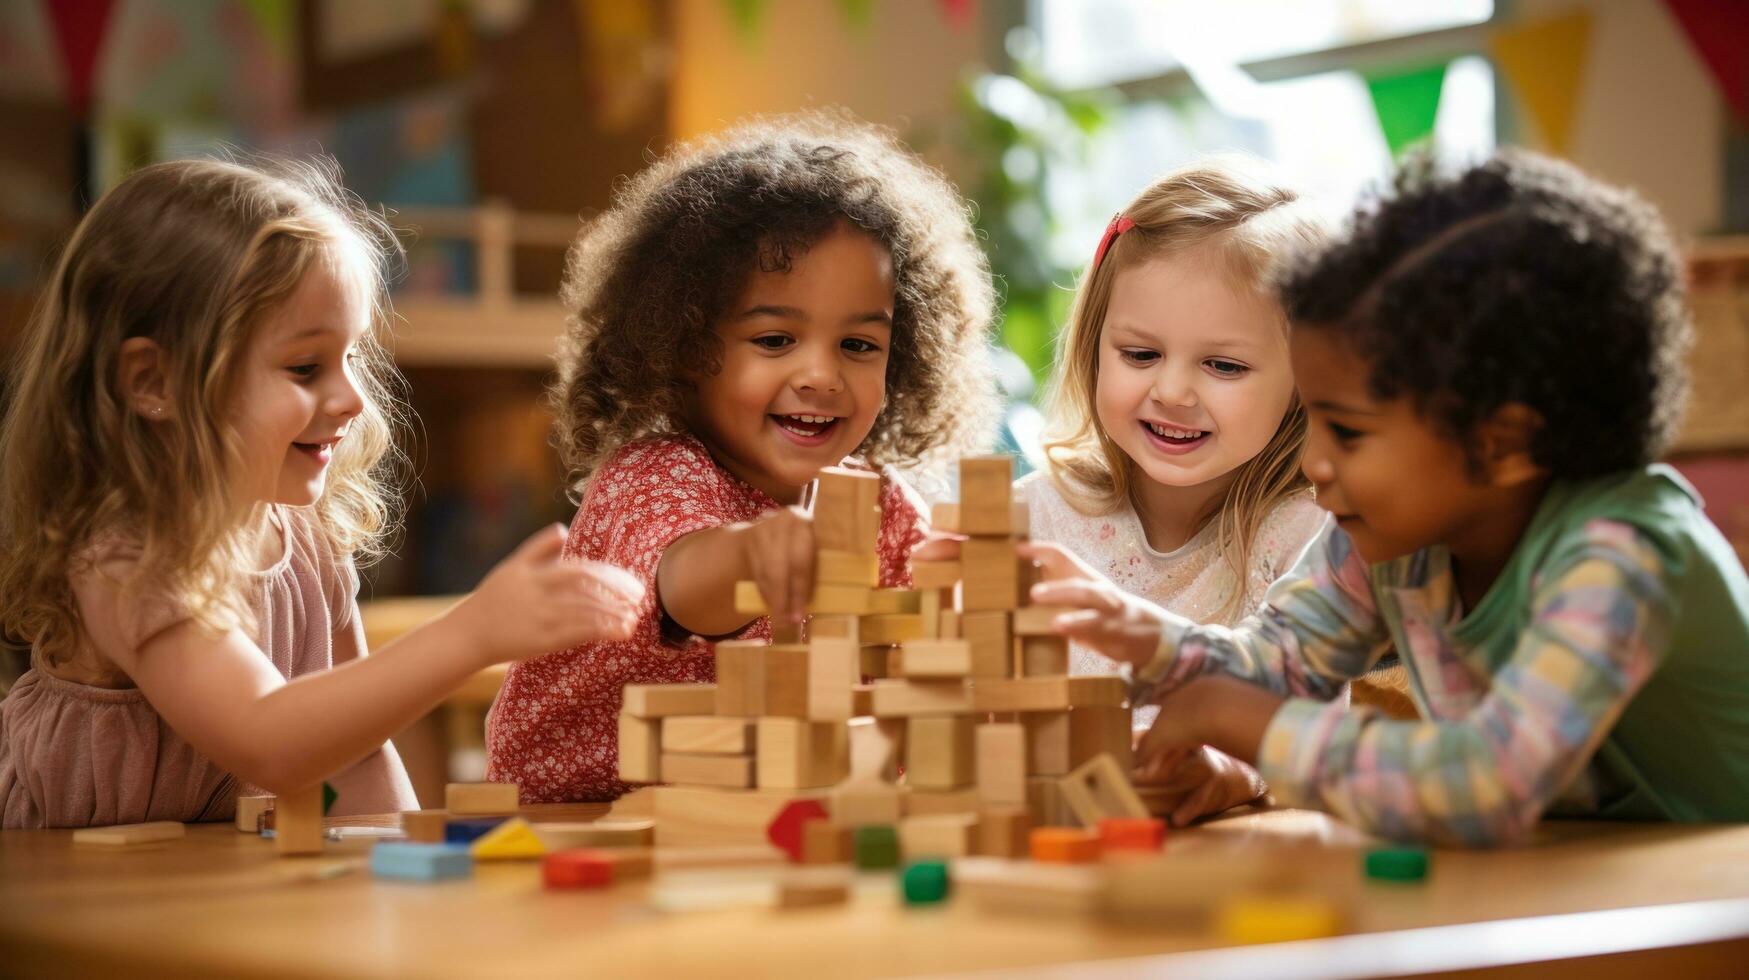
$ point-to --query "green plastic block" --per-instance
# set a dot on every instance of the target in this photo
(925, 882)
(1396, 864)
(877, 847)
(328, 798)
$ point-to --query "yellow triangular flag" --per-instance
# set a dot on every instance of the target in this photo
(511, 840)
(1545, 62)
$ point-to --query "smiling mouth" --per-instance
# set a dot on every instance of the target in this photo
(1173, 439)
(807, 427)
(320, 450)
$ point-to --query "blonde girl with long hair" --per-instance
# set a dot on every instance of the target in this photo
(198, 444)
(1174, 430)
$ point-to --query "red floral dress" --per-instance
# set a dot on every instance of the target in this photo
(554, 730)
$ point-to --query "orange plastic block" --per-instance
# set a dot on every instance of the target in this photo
(1065, 845)
(1132, 833)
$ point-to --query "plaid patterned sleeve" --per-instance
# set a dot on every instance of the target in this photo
(1601, 618)
(1319, 627)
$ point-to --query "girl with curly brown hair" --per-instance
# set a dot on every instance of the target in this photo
(797, 293)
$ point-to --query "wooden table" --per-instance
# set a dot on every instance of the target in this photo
(220, 902)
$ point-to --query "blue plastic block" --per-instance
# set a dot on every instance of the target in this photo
(420, 862)
(468, 831)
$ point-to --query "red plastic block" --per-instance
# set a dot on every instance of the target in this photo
(580, 868)
(785, 829)
(1132, 833)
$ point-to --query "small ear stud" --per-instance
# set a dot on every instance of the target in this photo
(158, 410)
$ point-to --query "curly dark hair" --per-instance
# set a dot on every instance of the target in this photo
(647, 281)
(1520, 279)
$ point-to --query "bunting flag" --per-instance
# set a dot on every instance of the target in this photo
(1545, 62)
(1407, 105)
(746, 15)
(957, 12)
(1720, 33)
(274, 19)
(79, 29)
(859, 14)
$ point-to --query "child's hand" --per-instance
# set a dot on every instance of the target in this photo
(1201, 781)
(779, 548)
(533, 603)
(1215, 710)
(1121, 626)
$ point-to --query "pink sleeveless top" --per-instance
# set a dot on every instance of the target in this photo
(75, 755)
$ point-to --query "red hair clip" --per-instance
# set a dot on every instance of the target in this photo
(1119, 225)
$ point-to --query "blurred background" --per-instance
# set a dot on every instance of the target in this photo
(493, 129)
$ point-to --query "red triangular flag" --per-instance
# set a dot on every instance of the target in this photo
(79, 29)
(1720, 32)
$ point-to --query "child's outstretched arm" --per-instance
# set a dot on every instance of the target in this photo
(695, 582)
(227, 699)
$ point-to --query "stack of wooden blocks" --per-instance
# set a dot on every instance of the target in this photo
(976, 692)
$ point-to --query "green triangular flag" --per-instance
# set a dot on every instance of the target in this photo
(860, 13)
(1407, 105)
(328, 798)
(746, 14)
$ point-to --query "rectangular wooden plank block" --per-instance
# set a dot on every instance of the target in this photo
(1049, 693)
(688, 769)
(121, 835)
(945, 836)
(480, 799)
(903, 698)
(662, 700)
(707, 734)
(931, 660)
(847, 568)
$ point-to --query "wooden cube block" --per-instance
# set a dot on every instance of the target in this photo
(988, 634)
(479, 799)
(297, 821)
(689, 769)
(249, 811)
(1049, 742)
(1001, 764)
(847, 510)
(813, 682)
(985, 494)
(707, 735)
(121, 835)
(786, 681)
(1049, 693)
(740, 690)
(1100, 789)
(1004, 832)
(931, 660)
(810, 889)
(831, 626)
(890, 628)
(897, 699)
(1100, 731)
(933, 576)
(1036, 620)
(989, 574)
(947, 836)
(797, 754)
(640, 749)
(938, 751)
(662, 700)
(1043, 656)
(847, 568)
(940, 802)
(865, 804)
(825, 842)
(424, 826)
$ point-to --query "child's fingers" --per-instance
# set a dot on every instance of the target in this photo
(543, 545)
(1198, 802)
(1056, 560)
(614, 580)
(938, 546)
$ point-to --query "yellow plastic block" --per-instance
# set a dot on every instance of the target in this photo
(1277, 920)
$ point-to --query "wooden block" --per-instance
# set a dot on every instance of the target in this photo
(934, 576)
(988, 633)
(813, 681)
(1100, 731)
(662, 700)
(707, 735)
(297, 822)
(865, 804)
(606, 832)
(940, 802)
(1001, 764)
(989, 574)
(847, 510)
(876, 662)
(1049, 693)
(640, 749)
(847, 568)
(1043, 656)
(809, 888)
(1053, 890)
(797, 754)
(845, 600)
(1099, 789)
(891, 602)
(985, 493)
(1036, 620)
(424, 826)
(480, 799)
(704, 817)
(938, 751)
(931, 660)
(890, 628)
(122, 835)
(688, 769)
(874, 749)
(740, 690)
(830, 626)
(1064, 845)
(930, 606)
(1049, 742)
(1004, 832)
(1044, 801)
(825, 842)
(950, 625)
(898, 699)
(787, 633)
(945, 516)
(749, 601)
(249, 811)
(862, 701)
(948, 836)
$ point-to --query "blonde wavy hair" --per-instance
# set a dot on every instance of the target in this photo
(1229, 211)
(195, 256)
